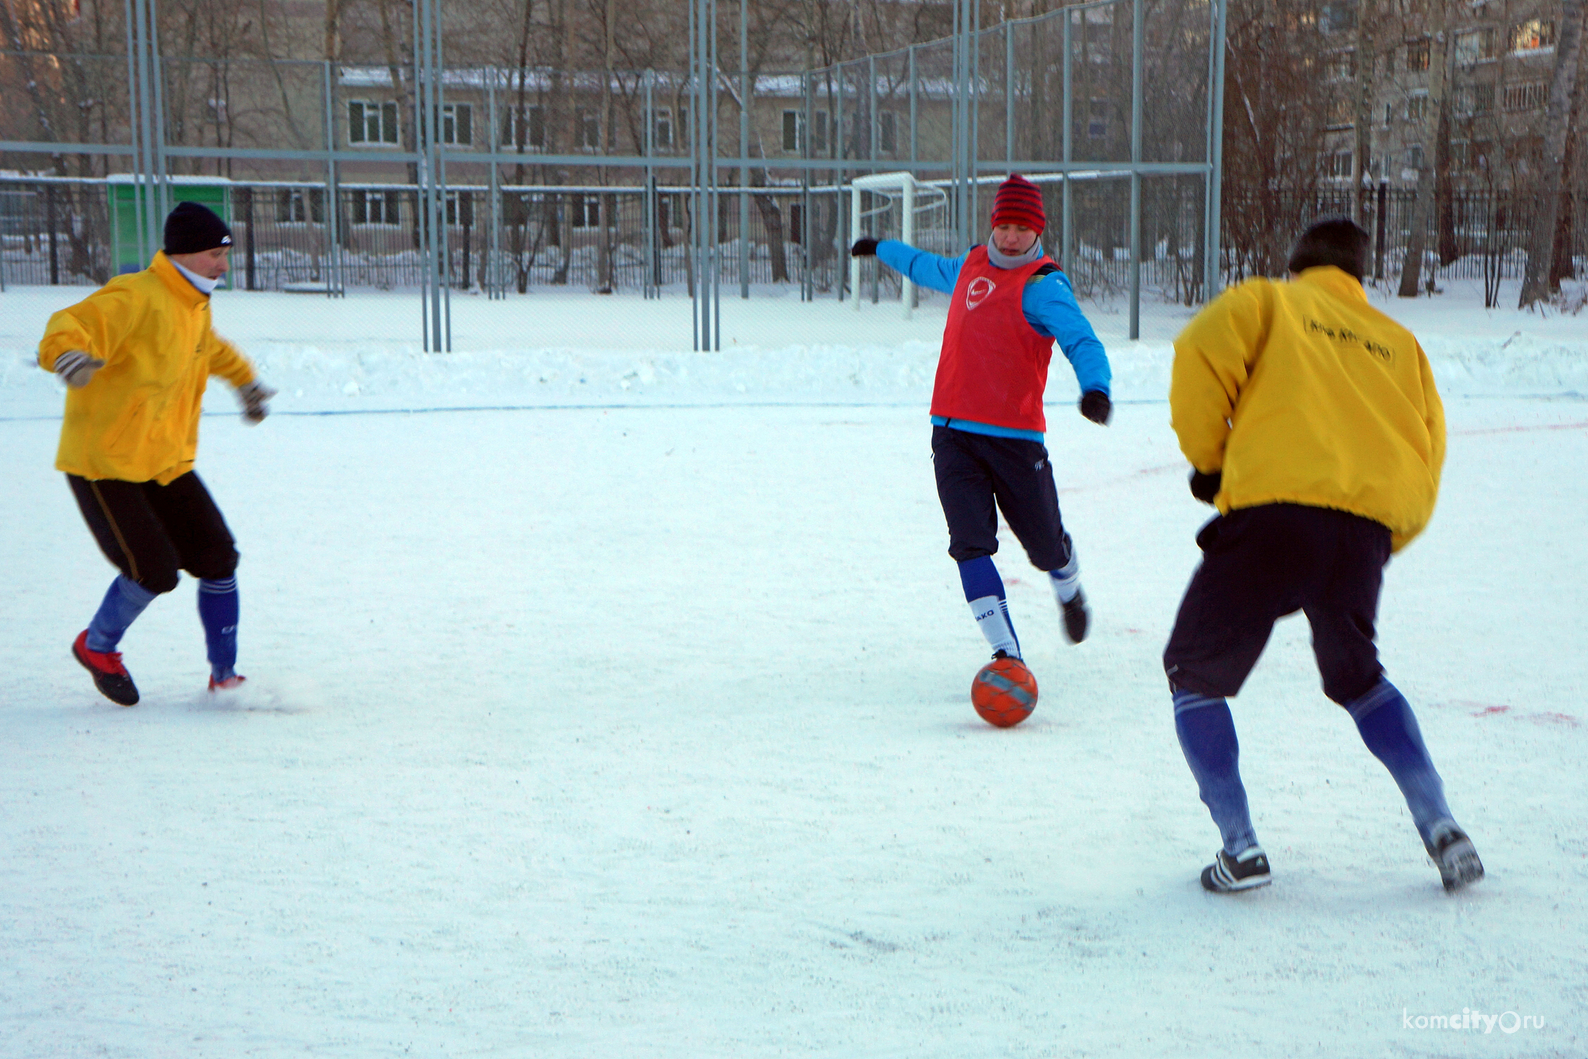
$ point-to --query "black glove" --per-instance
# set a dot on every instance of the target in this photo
(866, 247)
(1206, 486)
(255, 398)
(1096, 406)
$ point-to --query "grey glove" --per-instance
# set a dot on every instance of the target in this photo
(75, 368)
(256, 401)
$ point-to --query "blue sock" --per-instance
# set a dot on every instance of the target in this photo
(1389, 728)
(121, 606)
(984, 591)
(217, 606)
(1207, 735)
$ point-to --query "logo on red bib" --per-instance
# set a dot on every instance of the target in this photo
(977, 292)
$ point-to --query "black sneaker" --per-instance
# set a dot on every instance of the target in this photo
(110, 676)
(1452, 853)
(1076, 617)
(1229, 874)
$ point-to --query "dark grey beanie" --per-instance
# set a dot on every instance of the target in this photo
(192, 228)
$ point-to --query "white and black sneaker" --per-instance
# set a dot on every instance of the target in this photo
(1452, 853)
(1228, 874)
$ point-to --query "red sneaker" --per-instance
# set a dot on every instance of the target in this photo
(231, 682)
(110, 676)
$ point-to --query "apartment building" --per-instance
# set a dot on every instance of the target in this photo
(1499, 58)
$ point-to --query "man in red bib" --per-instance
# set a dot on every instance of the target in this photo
(1010, 302)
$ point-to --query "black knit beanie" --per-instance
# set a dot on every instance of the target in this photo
(192, 228)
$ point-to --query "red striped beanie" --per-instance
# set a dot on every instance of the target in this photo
(1019, 202)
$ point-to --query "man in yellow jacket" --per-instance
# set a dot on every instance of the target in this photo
(135, 356)
(1312, 423)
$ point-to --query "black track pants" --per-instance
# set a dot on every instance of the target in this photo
(151, 531)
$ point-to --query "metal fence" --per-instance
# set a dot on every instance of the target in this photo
(423, 174)
(56, 231)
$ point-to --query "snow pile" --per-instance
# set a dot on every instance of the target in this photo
(362, 352)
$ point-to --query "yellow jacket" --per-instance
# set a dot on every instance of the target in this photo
(137, 419)
(1301, 392)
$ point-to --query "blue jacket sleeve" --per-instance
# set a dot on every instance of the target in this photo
(922, 267)
(1050, 308)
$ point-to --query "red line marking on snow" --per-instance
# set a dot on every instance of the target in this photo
(1520, 430)
(1554, 718)
(1490, 711)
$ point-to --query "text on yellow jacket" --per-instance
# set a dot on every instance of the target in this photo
(137, 419)
(1302, 392)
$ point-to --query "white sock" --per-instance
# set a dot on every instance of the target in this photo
(992, 618)
(1066, 579)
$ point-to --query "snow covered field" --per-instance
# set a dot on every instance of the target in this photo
(621, 710)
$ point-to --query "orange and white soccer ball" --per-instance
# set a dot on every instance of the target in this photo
(1004, 692)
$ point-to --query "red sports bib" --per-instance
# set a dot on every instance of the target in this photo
(994, 365)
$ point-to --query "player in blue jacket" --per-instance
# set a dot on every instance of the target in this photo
(1010, 302)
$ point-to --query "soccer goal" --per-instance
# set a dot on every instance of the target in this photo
(911, 196)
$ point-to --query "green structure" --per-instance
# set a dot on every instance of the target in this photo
(125, 192)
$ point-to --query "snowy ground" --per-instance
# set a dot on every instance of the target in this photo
(641, 728)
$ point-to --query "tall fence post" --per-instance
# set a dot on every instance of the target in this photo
(1379, 222)
(1067, 258)
(1136, 34)
(1212, 276)
(744, 152)
(334, 285)
(1009, 93)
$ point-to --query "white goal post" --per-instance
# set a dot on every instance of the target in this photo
(901, 181)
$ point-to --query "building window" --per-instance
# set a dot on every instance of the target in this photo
(1527, 96)
(299, 205)
(887, 132)
(1417, 109)
(455, 124)
(1389, 109)
(370, 122)
(1472, 100)
(792, 140)
(796, 222)
(662, 135)
(1469, 155)
(460, 208)
(376, 207)
(533, 129)
(1532, 35)
(819, 132)
(1341, 112)
(589, 130)
(1476, 45)
(518, 209)
(1414, 156)
(586, 211)
(1338, 165)
(1338, 16)
(1340, 66)
(1097, 121)
(1417, 53)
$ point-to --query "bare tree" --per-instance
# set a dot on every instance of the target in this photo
(1427, 183)
(1276, 111)
(1548, 189)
